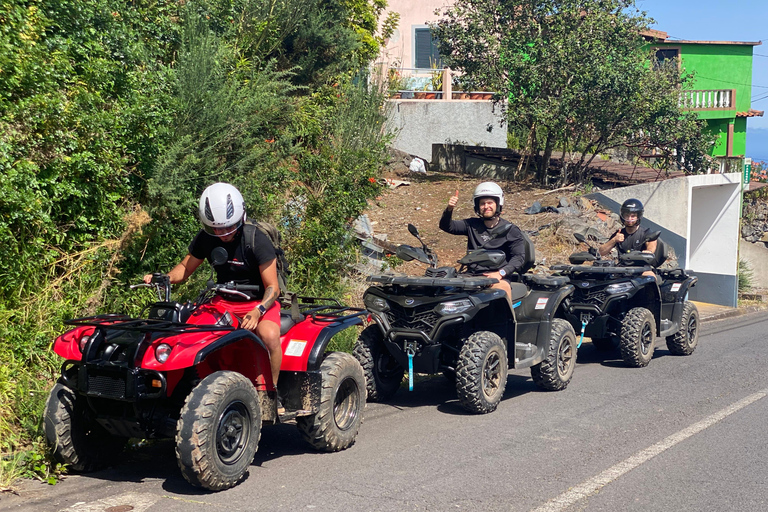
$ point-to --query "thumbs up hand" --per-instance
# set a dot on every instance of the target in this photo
(453, 200)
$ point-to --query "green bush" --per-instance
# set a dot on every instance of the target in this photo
(114, 115)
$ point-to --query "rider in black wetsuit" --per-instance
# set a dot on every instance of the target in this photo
(489, 231)
(632, 236)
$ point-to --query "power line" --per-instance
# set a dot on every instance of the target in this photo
(732, 83)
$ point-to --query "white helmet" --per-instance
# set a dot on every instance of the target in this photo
(488, 189)
(222, 209)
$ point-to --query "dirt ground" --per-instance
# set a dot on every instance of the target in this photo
(423, 200)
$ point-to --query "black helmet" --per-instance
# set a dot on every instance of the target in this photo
(631, 206)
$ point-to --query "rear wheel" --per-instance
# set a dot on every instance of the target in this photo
(555, 372)
(638, 336)
(383, 374)
(74, 435)
(481, 373)
(335, 425)
(684, 341)
(218, 431)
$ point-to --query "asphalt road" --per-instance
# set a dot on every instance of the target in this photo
(683, 434)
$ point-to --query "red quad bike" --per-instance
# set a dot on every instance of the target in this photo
(188, 372)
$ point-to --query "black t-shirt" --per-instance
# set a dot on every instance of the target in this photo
(633, 242)
(480, 237)
(241, 268)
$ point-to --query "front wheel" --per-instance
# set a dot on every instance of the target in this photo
(481, 373)
(75, 437)
(685, 340)
(335, 425)
(383, 374)
(555, 371)
(638, 337)
(218, 431)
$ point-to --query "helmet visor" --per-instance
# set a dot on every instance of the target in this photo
(223, 230)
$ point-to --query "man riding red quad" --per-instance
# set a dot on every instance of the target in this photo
(222, 213)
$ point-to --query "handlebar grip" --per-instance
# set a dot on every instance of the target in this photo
(248, 287)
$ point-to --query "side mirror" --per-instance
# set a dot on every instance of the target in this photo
(408, 253)
(412, 230)
(579, 237)
(218, 256)
(578, 258)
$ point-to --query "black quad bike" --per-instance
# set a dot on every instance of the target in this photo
(614, 303)
(189, 373)
(453, 322)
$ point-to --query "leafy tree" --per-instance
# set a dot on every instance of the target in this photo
(574, 74)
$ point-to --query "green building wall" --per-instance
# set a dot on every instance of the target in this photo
(720, 66)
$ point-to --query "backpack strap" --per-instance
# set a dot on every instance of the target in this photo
(249, 233)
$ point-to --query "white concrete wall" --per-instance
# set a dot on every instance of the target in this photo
(699, 217)
(756, 256)
(417, 124)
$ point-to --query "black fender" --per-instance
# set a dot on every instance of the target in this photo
(680, 295)
(545, 322)
(538, 323)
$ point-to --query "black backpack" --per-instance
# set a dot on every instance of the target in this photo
(271, 232)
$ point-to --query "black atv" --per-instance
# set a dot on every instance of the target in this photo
(630, 302)
(453, 322)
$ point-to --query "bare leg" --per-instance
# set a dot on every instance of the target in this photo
(269, 332)
(503, 284)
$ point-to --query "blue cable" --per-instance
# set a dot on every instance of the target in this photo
(410, 371)
(583, 326)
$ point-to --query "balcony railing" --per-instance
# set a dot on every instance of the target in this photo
(712, 99)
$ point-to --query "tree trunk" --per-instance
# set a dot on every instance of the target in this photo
(544, 165)
(563, 169)
(520, 174)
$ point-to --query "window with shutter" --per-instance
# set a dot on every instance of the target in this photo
(425, 50)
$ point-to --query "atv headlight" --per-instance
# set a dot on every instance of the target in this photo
(619, 288)
(375, 303)
(163, 352)
(453, 307)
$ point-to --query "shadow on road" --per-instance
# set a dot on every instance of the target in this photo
(588, 354)
(440, 392)
(156, 460)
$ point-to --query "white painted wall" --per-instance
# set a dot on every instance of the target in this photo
(756, 256)
(417, 124)
(699, 217)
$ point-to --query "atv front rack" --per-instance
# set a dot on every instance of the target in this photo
(589, 269)
(469, 282)
(127, 323)
(320, 309)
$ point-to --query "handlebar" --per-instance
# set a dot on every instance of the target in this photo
(235, 289)
(161, 283)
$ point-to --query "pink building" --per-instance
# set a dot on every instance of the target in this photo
(411, 47)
